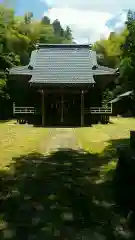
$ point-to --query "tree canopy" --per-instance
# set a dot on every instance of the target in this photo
(118, 51)
(18, 36)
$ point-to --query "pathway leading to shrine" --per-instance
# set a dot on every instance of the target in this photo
(87, 210)
(61, 138)
(73, 162)
(62, 191)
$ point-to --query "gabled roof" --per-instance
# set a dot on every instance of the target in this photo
(121, 96)
(126, 94)
(25, 70)
(66, 64)
(21, 70)
(101, 70)
(62, 63)
(72, 45)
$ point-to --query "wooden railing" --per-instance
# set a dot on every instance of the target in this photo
(33, 110)
(25, 110)
(99, 110)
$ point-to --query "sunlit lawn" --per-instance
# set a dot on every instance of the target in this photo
(17, 140)
(96, 138)
(44, 187)
(101, 142)
(99, 138)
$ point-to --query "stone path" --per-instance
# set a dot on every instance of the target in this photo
(61, 138)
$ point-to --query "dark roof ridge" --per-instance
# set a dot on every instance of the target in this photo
(43, 45)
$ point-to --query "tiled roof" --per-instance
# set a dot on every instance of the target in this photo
(101, 70)
(62, 63)
(44, 45)
(121, 96)
(128, 93)
(21, 70)
(93, 58)
(25, 70)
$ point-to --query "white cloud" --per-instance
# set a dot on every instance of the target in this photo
(96, 5)
(87, 19)
(87, 26)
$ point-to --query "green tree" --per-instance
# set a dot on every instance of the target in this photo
(109, 50)
(68, 33)
(127, 65)
(110, 54)
(57, 28)
(19, 35)
(28, 17)
(45, 20)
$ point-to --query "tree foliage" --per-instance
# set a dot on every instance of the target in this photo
(118, 51)
(110, 50)
(18, 37)
(127, 64)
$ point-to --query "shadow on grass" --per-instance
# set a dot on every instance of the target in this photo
(123, 177)
(110, 151)
(56, 196)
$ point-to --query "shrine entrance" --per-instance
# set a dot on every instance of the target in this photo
(62, 109)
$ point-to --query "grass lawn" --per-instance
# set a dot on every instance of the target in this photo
(17, 140)
(104, 139)
(101, 142)
(60, 194)
(98, 137)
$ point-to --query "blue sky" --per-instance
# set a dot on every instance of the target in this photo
(35, 6)
(38, 7)
(88, 20)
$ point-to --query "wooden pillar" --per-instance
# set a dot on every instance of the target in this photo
(62, 108)
(82, 108)
(13, 108)
(43, 108)
(132, 139)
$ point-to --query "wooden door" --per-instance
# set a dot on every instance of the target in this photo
(53, 109)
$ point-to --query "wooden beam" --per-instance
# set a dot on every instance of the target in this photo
(62, 91)
(43, 108)
(82, 108)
